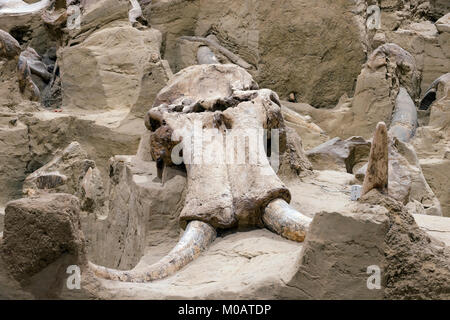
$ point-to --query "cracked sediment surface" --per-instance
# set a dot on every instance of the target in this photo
(226, 270)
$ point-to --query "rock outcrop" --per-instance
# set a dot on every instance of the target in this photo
(40, 233)
(115, 125)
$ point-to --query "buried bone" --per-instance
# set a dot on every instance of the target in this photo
(377, 169)
(230, 181)
(404, 119)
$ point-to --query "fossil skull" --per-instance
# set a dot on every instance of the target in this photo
(214, 118)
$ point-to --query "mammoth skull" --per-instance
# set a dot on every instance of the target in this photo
(213, 119)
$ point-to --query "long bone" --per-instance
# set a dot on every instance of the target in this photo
(196, 239)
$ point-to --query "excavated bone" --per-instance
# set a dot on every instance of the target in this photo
(212, 44)
(377, 168)
(281, 218)
(26, 85)
(36, 65)
(50, 180)
(196, 239)
(18, 7)
(9, 47)
(404, 120)
(11, 51)
(228, 185)
(206, 56)
(393, 57)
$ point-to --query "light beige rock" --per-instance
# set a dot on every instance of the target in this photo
(437, 227)
(142, 214)
(70, 171)
(221, 190)
(109, 75)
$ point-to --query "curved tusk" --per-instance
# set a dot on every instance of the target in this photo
(284, 220)
(196, 239)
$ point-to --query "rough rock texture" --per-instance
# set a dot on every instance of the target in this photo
(417, 266)
(34, 137)
(294, 161)
(378, 85)
(407, 182)
(2, 220)
(70, 172)
(340, 155)
(13, 80)
(109, 76)
(94, 83)
(340, 247)
(318, 39)
(426, 41)
(25, 24)
(15, 156)
(38, 231)
(142, 213)
(432, 141)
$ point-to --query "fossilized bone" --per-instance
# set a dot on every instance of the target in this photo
(404, 119)
(377, 168)
(206, 56)
(220, 194)
(227, 53)
(19, 7)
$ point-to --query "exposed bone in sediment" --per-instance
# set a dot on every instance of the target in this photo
(18, 7)
(282, 219)
(206, 56)
(9, 47)
(26, 85)
(196, 239)
(50, 180)
(135, 14)
(404, 120)
(227, 53)
(36, 65)
(430, 95)
(377, 168)
(398, 61)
